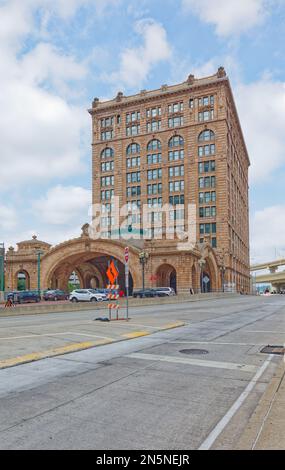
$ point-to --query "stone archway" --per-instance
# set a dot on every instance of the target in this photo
(90, 259)
(166, 276)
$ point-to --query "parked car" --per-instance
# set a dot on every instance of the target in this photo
(144, 293)
(86, 295)
(24, 297)
(164, 291)
(55, 295)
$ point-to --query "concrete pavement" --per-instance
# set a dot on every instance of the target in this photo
(266, 428)
(148, 393)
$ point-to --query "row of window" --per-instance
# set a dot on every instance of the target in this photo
(156, 111)
(155, 158)
(153, 126)
(176, 141)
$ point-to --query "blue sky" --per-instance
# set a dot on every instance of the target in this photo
(57, 55)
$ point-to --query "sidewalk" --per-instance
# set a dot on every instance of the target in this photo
(66, 306)
(266, 428)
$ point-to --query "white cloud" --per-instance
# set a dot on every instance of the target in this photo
(136, 63)
(261, 107)
(40, 131)
(267, 233)
(230, 17)
(63, 205)
(8, 218)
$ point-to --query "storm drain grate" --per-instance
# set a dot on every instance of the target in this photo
(273, 350)
(194, 351)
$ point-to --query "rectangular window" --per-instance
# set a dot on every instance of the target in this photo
(107, 135)
(176, 200)
(154, 174)
(133, 162)
(107, 166)
(154, 158)
(176, 107)
(132, 130)
(206, 115)
(176, 155)
(107, 122)
(107, 181)
(177, 121)
(176, 186)
(153, 126)
(133, 117)
(153, 112)
(176, 171)
(207, 167)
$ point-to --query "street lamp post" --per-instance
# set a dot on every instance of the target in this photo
(2, 267)
(39, 253)
(143, 257)
(223, 270)
(202, 263)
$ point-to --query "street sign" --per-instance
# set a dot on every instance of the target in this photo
(206, 280)
(127, 254)
(112, 273)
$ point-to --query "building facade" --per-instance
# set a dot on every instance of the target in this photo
(175, 164)
(180, 145)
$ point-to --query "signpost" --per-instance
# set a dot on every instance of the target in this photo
(112, 274)
(2, 269)
(127, 277)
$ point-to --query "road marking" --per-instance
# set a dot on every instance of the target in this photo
(218, 343)
(265, 331)
(193, 362)
(53, 334)
(74, 347)
(207, 444)
(136, 334)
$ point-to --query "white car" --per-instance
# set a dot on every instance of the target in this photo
(164, 291)
(86, 295)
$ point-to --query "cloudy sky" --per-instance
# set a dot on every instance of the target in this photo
(57, 55)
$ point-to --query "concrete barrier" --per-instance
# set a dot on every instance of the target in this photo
(37, 309)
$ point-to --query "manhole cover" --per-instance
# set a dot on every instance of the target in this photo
(194, 351)
(273, 350)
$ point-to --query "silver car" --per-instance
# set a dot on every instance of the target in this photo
(86, 295)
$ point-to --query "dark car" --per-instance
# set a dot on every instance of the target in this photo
(55, 295)
(24, 297)
(144, 293)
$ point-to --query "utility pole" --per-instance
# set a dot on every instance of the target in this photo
(2, 267)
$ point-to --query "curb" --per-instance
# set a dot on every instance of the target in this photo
(70, 308)
(252, 432)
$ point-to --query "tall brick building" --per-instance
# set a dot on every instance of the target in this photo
(180, 144)
(181, 148)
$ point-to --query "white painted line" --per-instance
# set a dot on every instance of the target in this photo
(194, 362)
(218, 343)
(265, 331)
(53, 334)
(207, 444)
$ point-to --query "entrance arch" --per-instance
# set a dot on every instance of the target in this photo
(89, 258)
(22, 280)
(166, 276)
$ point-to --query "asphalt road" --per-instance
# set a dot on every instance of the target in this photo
(145, 393)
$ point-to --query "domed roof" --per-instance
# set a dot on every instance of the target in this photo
(33, 244)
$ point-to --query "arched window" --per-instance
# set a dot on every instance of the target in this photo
(154, 145)
(206, 136)
(133, 148)
(176, 141)
(108, 152)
